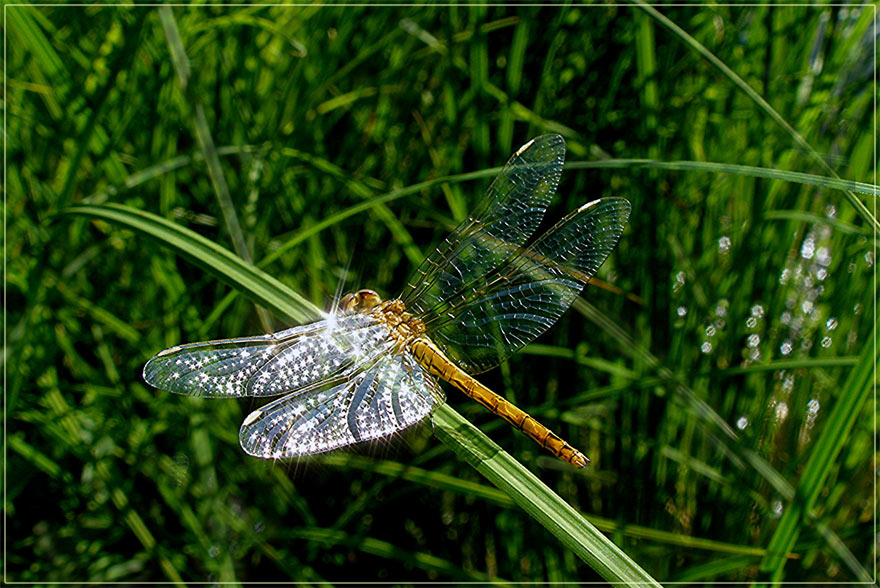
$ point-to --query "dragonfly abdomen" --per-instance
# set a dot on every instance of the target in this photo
(437, 364)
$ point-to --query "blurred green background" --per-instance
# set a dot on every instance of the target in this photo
(723, 390)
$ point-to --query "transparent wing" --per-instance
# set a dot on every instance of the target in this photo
(504, 219)
(269, 365)
(511, 307)
(389, 396)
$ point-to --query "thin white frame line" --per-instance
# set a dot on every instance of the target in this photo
(443, 5)
(874, 477)
(440, 5)
(5, 253)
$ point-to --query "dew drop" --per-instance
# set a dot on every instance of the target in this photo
(776, 507)
(781, 411)
(679, 282)
(831, 324)
(808, 249)
(706, 347)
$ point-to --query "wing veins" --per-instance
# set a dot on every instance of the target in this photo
(529, 292)
(547, 152)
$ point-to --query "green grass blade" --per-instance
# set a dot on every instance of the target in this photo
(26, 31)
(437, 480)
(826, 449)
(249, 20)
(809, 217)
(860, 206)
(729, 168)
(704, 412)
(261, 287)
(370, 204)
(646, 61)
(713, 568)
(541, 503)
(810, 363)
(377, 547)
(207, 147)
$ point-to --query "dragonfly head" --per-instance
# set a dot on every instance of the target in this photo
(360, 301)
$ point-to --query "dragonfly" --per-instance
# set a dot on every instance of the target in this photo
(370, 367)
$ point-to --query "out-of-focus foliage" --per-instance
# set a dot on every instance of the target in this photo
(703, 383)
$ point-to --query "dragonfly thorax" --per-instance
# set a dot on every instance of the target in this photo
(403, 325)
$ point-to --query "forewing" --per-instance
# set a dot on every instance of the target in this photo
(504, 219)
(387, 397)
(269, 365)
(525, 297)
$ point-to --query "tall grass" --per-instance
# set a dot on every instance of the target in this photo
(719, 376)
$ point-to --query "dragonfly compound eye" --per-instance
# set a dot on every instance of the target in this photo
(365, 300)
(360, 301)
(347, 303)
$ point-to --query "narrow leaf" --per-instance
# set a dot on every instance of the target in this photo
(826, 449)
(541, 503)
(259, 286)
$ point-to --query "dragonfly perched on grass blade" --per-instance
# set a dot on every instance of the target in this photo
(370, 368)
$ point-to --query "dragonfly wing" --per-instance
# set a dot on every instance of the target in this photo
(504, 219)
(269, 365)
(391, 395)
(525, 297)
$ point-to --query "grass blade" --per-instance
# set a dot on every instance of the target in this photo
(396, 470)
(826, 449)
(730, 168)
(860, 206)
(207, 147)
(541, 503)
(261, 287)
(713, 422)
